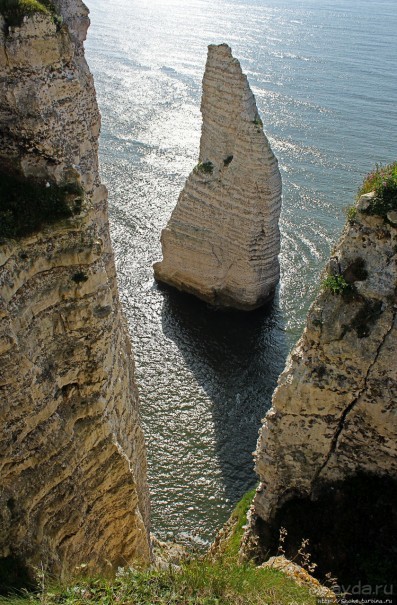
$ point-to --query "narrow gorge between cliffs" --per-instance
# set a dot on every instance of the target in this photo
(205, 379)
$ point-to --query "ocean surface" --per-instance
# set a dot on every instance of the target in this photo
(325, 79)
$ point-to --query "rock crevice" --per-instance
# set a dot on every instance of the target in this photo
(344, 417)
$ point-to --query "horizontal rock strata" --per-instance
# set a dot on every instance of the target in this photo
(333, 424)
(73, 467)
(222, 240)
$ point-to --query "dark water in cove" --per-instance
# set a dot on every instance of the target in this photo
(325, 79)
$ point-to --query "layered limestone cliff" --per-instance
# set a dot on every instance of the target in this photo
(72, 468)
(222, 240)
(327, 453)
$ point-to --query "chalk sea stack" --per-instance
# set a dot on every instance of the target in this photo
(327, 454)
(73, 485)
(222, 240)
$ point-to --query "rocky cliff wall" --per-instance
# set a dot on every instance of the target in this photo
(327, 455)
(222, 240)
(73, 467)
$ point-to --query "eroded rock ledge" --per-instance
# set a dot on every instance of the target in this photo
(327, 454)
(222, 240)
(73, 466)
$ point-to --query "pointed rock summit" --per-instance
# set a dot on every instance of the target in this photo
(222, 240)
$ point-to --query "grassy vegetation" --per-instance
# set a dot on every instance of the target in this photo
(205, 167)
(199, 581)
(238, 518)
(15, 10)
(382, 180)
(196, 583)
(27, 205)
(335, 284)
(351, 214)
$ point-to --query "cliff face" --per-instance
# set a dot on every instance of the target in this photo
(73, 466)
(327, 454)
(222, 240)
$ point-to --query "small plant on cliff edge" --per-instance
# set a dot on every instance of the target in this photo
(351, 214)
(302, 557)
(282, 534)
(383, 181)
(305, 558)
(204, 167)
(335, 284)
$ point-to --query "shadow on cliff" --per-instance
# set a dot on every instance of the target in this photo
(236, 358)
(14, 576)
(351, 528)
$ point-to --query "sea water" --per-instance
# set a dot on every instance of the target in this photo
(325, 79)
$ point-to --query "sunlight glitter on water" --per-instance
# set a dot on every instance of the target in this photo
(325, 80)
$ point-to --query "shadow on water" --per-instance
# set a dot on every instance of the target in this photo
(236, 358)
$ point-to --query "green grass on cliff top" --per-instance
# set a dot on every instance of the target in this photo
(15, 10)
(199, 581)
(382, 180)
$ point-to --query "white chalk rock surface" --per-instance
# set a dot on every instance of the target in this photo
(222, 240)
